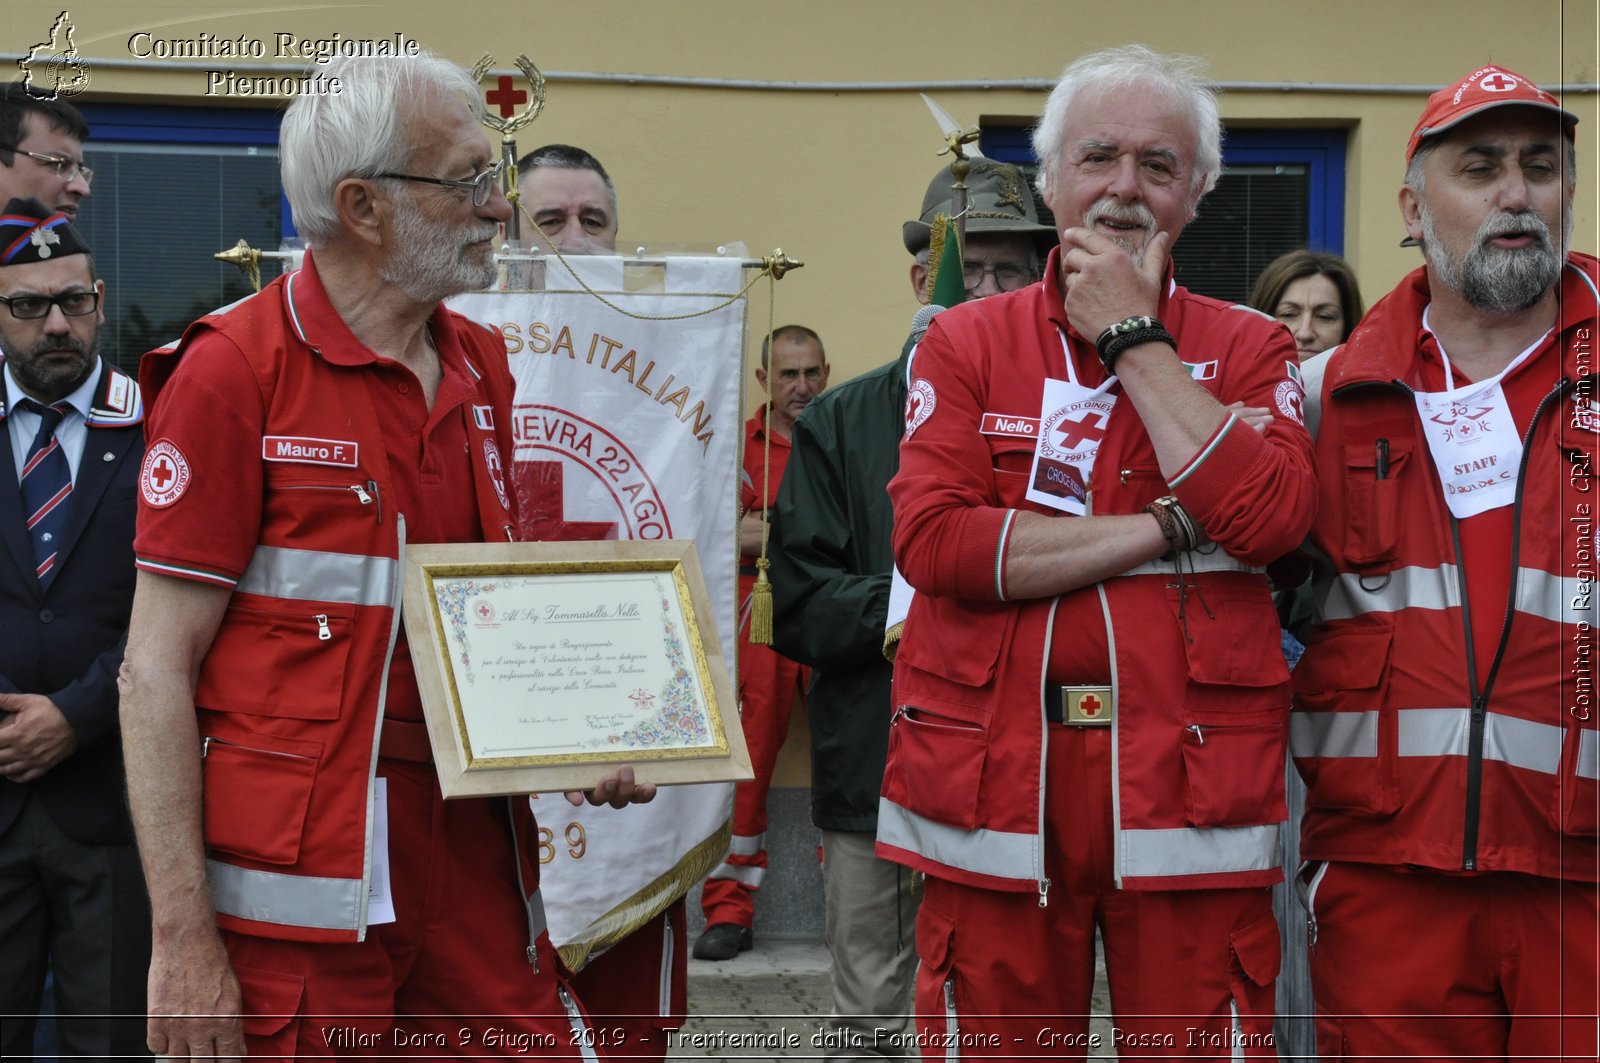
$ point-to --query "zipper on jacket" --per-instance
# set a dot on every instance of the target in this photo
(324, 634)
(393, 605)
(582, 1036)
(207, 742)
(522, 887)
(952, 1021)
(1478, 720)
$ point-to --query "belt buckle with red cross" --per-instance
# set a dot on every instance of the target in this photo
(1087, 706)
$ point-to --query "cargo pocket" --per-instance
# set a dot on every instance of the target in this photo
(254, 799)
(1342, 734)
(937, 764)
(1372, 502)
(284, 659)
(1254, 959)
(1235, 714)
(271, 1004)
(938, 1016)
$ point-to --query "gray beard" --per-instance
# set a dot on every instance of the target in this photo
(429, 266)
(1495, 279)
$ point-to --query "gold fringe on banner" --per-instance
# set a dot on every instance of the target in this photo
(761, 594)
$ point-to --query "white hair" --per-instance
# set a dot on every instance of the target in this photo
(357, 131)
(1123, 68)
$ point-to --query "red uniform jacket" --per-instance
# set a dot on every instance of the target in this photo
(1201, 724)
(1409, 757)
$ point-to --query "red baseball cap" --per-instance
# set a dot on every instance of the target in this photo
(1491, 86)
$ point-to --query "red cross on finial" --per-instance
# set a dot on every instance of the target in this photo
(1498, 83)
(506, 98)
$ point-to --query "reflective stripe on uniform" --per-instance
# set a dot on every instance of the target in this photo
(288, 900)
(981, 851)
(1218, 560)
(1446, 732)
(1162, 853)
(747, 844)
(320, 576)
(744, 874)
(1560, 599)
(1333, 734)
(1351, 594)
(1589, 755)
(1511, 740)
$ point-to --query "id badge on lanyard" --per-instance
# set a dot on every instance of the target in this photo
(1072, 422)
(1473, 439)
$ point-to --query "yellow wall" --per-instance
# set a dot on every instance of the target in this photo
(830, 176)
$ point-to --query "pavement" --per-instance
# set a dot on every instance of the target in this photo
(772, 1003)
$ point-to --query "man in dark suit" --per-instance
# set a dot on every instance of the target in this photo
(71, 441)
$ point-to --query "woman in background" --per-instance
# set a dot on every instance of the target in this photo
(1315, 294)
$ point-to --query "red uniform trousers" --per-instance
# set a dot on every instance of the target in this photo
(1191, 971)
(768, 682)
(1420, 965)
(638, 989)
(449, 978)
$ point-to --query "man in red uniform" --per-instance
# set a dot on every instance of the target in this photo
(311, 890)
(1091, 707)
(794, 370)
(1445, 708)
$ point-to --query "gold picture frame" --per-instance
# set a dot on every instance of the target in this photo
(545, 666)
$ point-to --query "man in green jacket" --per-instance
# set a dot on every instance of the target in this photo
(831, 567)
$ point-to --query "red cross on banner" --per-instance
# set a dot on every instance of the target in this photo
(505, 97)
(541, 488)
(1075, 433)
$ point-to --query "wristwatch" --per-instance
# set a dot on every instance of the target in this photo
(1130, 332)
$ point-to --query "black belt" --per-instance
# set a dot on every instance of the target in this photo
(1079, 706)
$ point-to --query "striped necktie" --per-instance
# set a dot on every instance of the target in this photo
(46, 487)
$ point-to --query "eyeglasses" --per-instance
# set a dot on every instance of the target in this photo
(64, 167)
(1008, 276)
(33, 307)
(480, 186)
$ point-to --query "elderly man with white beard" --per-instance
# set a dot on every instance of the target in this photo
(279, 770)
(1445, 719)
(1091, 709)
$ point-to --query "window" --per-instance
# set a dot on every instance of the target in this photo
(1280, 189)
(172, 187)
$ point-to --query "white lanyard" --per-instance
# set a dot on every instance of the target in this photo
(1473, 438)
(1072, 422)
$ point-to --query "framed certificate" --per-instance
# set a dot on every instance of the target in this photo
(544, 666)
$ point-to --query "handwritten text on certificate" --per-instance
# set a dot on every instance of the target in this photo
(572, 663)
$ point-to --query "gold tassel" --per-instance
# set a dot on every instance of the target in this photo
(761, 605)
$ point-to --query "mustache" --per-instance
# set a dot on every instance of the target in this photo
(54, 344)
(1506, 222)
(1110, 210)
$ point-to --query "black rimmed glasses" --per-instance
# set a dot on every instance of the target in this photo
(33, 307)
(1008, 276)
(64, 167)
(481, 186)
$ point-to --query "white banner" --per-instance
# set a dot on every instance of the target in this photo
(628, 429)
